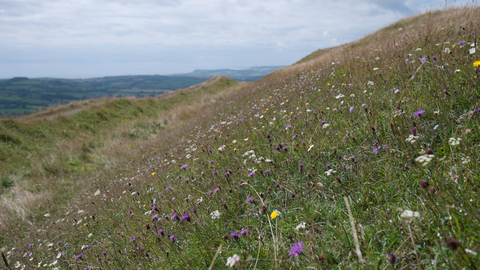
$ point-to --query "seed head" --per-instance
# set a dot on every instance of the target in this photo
(452, 243)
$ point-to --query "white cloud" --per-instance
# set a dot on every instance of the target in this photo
(113, 31)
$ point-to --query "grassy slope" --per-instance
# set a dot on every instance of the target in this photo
(299, 142)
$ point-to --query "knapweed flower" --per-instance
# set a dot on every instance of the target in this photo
(84, 246)
(231, 261)
(454, 141)
(79, 256)
(296, 249)
(419, 113)
(132, 239)
(243, 231)
(267, 171)
(175, 216)
(184, 166)
(186, 217)
(234, 235)
(409, 214)
(461, 42)
(172, 238)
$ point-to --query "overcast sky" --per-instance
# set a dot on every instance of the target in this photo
(94, 38)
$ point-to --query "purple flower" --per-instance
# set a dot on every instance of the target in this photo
(363, 105)
(351, 109)
(227, 173)
(419, 113)
(406, 60)
(243, 232)
(294, 136)
(209, 192)
(423, 59)
(215, 172)
(154, 207)
(300, 165)
(172, 238)
(169, 187)
(175, 216)
(79, 256)
(251, 174)
(473, 32)
(104, 253)
(296, 249)
(234, 235)
(186, 217)
(84, 246)
(376, 149)
(461, 42)
(161, 232)
(288, 126)
(277, 147)
(285, 148)
(396, 91)
(184, 166)
(30, 245)
(250, 199)
(186, 180)
(132, 239)
(435, 127)
(212, 161)
(216, 190)
(155, 216)
(267, 171)
(59, 242)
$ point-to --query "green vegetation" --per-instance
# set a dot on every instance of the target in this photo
(365, 157)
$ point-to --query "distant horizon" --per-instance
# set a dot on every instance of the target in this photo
(175, 74)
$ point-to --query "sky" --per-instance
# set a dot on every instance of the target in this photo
(96, 38)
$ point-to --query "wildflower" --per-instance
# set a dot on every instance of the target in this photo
(251, 174)
(339, 96)
(186, 217)
(409, 214)
(46, 215)
(97, 192)
(172, 238)
(231, 261)
(412, 139)
(221, 148)
(215, 214)
(132, 239)
(330, 172)
(175, 216)
(391, 258)
(351, 109)
(435, 127)
(447, 50)
(419, 113)
(325, 126)
(234, 235)
(84, 246)
(215, 172)
(424, 159)
(267, 171)
(310, 147)
(79, 256)
(274, 214)
(243, 231)
(396, 91)
(454, 141)
(461, 42)
(153, 173)
(465, 160)
(184, 166)
(296, 249)
(300, 226)
(476, 63)
(370, 83)
(472, 51)
(474, 253)
(418, 49)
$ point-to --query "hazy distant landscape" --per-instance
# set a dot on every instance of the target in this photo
(22, 95)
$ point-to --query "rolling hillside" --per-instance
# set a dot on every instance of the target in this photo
(361, 156)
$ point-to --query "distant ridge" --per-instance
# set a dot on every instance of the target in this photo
(251, 74)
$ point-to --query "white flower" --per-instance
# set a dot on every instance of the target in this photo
(339, 96)
(375, 69)
(300, 226)
(246, 139)
(46, 215)
(325, 126)
(268, 160)
(215, 214)
(310, 147)
(90, 235)
(471, 51)
(457, 70)
(412, 139)
(59, 255)
(352, 95)
(221, 148)
(454, 141)
(409, 214)
(97, 192)
(231, 261)
(474, 253)
(377, 58)
(370, 83)
(465, 160)
(248, 153)
(330, 172)
(173, 161)
(447, 50)
(424, 159)
(200, 200)
(418, 49)
(234, 141)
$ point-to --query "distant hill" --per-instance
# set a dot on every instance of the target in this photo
(21, 95)
(251, 74)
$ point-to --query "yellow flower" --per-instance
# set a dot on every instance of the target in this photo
(274, 214)
(153, 173)
(476, 63)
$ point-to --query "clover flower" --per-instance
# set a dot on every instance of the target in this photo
(300, 226)
(215, 214)
(409, 214)
(412, 139)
